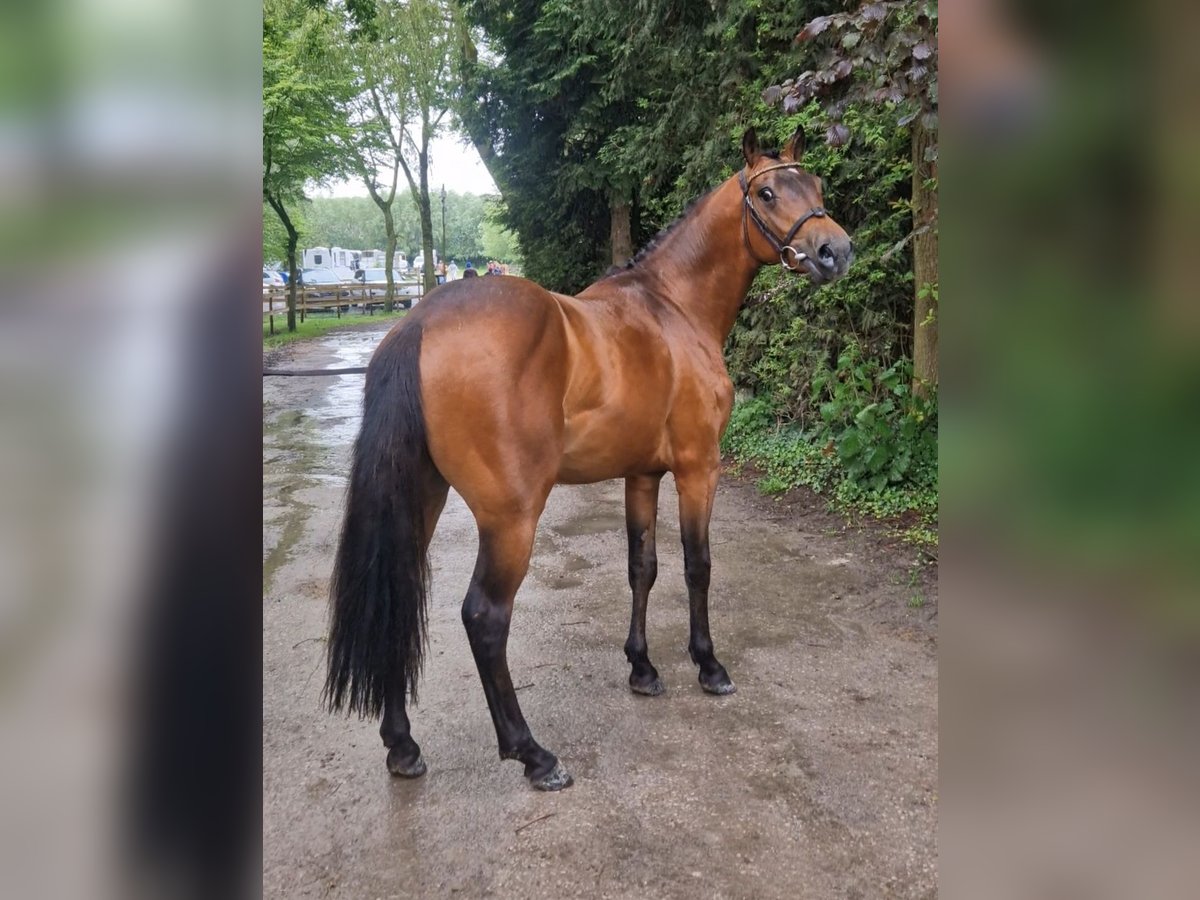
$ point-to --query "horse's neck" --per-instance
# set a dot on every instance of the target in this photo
(704, 264)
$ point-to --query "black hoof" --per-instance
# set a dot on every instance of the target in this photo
(556, 779)
(647, 687)
(404, 767)
(717, 683)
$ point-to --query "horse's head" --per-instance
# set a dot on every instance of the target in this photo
(784, 215)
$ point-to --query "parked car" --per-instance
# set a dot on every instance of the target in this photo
(320, 277)
(345, 274)
(407, 292)
(271, 279)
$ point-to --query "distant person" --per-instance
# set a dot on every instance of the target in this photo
(452, 271)
(441, 272)
(503, 268)
(469, 271)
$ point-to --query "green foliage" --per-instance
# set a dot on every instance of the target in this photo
(873, 451)
(302, 127)
(401, 57)
(498, 242)
(527, 103)
(790, 457)
(882, 434)
(356, 222)
(579, 105)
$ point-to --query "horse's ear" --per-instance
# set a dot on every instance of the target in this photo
(795, 145)
(750, 148)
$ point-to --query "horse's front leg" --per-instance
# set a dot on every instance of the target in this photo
(641, 516)
(697, 488)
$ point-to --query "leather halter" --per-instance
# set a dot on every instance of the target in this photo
(780, 246)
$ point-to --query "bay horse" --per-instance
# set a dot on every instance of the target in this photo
(501, 389)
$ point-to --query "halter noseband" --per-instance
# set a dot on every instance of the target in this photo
(779, 246)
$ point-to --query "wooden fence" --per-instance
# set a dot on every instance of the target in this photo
(333, 296)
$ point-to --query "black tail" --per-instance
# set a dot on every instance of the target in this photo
(381, 577)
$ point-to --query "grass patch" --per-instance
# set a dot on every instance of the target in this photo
(319, 323)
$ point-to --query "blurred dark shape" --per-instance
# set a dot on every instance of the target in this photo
(129, 372)
(195, 765)
(1070, 493)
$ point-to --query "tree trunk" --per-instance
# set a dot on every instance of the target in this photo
(621, 232)
(925, 266)
(389, 258)
(293, 240)
(430, 275)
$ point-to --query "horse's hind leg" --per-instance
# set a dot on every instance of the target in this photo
(505, 545)
(404, 755)
(641, 516)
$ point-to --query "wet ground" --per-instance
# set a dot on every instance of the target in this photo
(818, 778)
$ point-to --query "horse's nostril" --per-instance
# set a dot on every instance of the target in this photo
(826, 253)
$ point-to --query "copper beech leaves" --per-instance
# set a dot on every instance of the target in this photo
(875, 12)
(815, 27)
(837, 134)
(882, 52)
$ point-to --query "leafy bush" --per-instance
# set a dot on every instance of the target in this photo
(883, 435)
(874, 449)
(790, 457)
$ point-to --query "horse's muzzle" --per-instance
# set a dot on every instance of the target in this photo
(834, 258)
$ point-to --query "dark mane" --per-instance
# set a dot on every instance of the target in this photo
(654, 242)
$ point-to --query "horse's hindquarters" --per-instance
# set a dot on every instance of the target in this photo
(493, 374)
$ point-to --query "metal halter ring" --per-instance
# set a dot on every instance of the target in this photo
(797, 255)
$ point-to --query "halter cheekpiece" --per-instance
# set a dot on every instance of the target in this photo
(782, 247)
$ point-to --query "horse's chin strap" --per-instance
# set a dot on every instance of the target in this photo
(782, 247)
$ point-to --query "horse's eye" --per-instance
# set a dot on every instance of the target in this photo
(767, 194)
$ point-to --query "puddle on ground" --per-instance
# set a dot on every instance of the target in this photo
(595, 523)
(310, 442)
(562, 582)
(573, 563)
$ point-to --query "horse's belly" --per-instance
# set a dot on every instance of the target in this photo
(597, 447)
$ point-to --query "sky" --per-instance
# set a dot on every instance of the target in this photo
(453, 161)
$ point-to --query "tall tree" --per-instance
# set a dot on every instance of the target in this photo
(429, 43)
(378, 112)
(521, 93)
(301, 122)
(885, 52)
(594, 116)
(404, 55)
